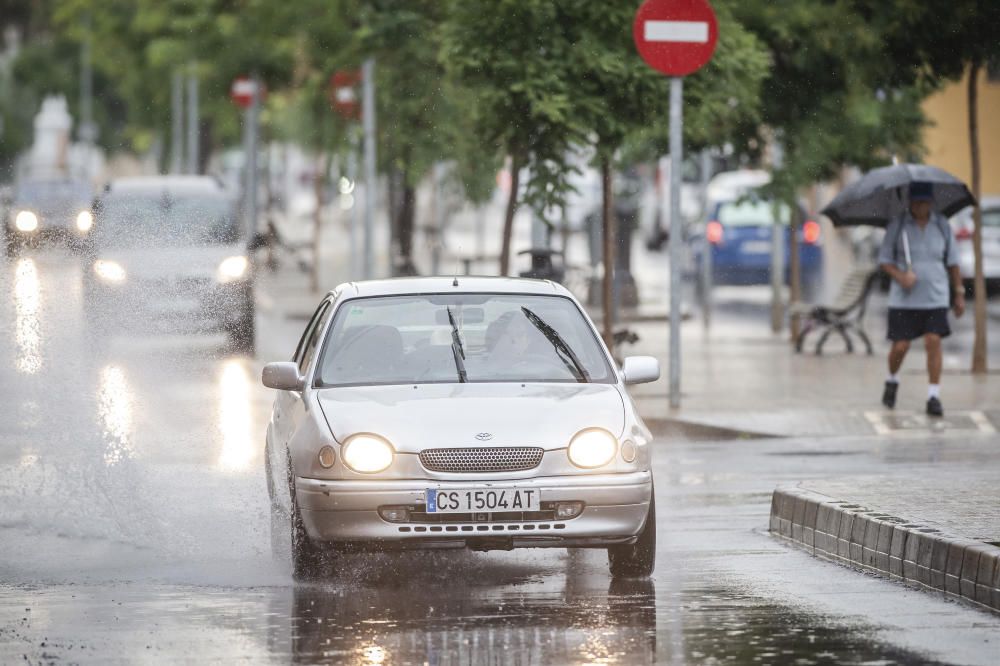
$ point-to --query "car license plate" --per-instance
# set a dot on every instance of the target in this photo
(482, 499)
(756, 247)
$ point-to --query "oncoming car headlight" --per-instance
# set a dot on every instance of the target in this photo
(26, 221)
(110, 271)
(367, 454)
(591, 448)
(233, 268)
(84, 221)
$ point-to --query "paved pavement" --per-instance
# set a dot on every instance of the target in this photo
(963, 504)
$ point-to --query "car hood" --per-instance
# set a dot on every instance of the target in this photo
(415, 417)
(171, 262)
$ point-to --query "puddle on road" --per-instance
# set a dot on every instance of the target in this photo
(443, 610)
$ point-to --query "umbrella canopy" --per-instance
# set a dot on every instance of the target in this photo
(882, 194)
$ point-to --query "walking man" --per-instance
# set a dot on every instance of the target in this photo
(920, 257)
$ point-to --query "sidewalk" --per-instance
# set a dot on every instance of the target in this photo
(938, 534)
(741, 377)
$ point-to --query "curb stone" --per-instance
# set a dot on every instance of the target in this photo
(860, 537)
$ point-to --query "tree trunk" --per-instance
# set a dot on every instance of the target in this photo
(608, 235)
(404, 227)
(979, 344)
(795, 266)
(508, 218)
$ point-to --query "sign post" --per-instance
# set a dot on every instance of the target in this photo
(248, 93)
(676, 37)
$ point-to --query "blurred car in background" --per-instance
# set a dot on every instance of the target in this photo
(739, 233)
(48, 209)
(172, 250)
(962, 224)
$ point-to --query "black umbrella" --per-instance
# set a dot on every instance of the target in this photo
(882, 194)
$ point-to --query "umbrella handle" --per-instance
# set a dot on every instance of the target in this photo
(906, 251)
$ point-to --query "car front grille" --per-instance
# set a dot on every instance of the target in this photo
(482, 459)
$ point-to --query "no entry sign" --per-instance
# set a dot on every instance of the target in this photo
(676, 37)
(242, 91)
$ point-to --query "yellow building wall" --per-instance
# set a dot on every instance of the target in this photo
(947, 136)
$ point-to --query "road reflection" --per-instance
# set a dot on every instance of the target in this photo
(420, 617)
(235, 417)
(114, 409)
(27, 316)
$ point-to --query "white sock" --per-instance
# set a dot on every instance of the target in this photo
(933, 391)
(894, 378)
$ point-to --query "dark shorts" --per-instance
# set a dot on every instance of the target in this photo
(907, 324)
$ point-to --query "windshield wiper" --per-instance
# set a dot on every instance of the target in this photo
(567, 355)
(456, 348)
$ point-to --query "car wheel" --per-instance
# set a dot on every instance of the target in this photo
(12, 244)
(242, 334)
(638, 559)
(308, 558)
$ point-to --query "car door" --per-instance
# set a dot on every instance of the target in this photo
(288, 409)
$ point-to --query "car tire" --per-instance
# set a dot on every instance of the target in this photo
(638, 559)
(11, 244)
(242, 334)
(308, 558)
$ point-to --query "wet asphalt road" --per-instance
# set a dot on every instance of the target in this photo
(133, 528)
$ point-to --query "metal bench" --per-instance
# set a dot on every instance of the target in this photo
(845, 315)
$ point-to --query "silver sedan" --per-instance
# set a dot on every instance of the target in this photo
(481, 413)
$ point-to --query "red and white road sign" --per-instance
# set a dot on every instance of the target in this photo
(241, 92)
(343, 92)
(676, 37)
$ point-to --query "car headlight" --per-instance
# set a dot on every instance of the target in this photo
(233, 268)
(110, 271)
(84, 221)
(367, 454)
(593, 447)
(26, 221)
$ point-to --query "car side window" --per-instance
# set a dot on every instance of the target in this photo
(301, 347)
(313, 342)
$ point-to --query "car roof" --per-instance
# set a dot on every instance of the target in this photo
(173, 185)
(461, 284)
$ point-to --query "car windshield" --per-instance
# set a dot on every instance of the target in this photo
(752, 212)
(437, 338)
(41, 192)
(133, 220)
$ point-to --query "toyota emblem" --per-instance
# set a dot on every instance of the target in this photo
(484, 436)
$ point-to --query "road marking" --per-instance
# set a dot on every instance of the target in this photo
(982, 422)
(912, 423)
(690, 32)
(875, 420)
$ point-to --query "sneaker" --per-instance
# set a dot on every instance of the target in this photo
(889, 394)
(934, 407)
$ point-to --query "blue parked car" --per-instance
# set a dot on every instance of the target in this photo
(739, 232)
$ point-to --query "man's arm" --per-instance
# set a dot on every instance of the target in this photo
(958, 302)
(906, 279)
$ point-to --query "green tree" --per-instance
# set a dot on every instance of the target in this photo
(514, 57)
(831, 97)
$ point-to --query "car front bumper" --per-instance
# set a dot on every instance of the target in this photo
(346, 513)
(197, 303)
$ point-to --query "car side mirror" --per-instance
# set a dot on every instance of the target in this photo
(640, 369)
(283, 376)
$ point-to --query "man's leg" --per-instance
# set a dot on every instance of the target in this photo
(896, 355)
(932, 342)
